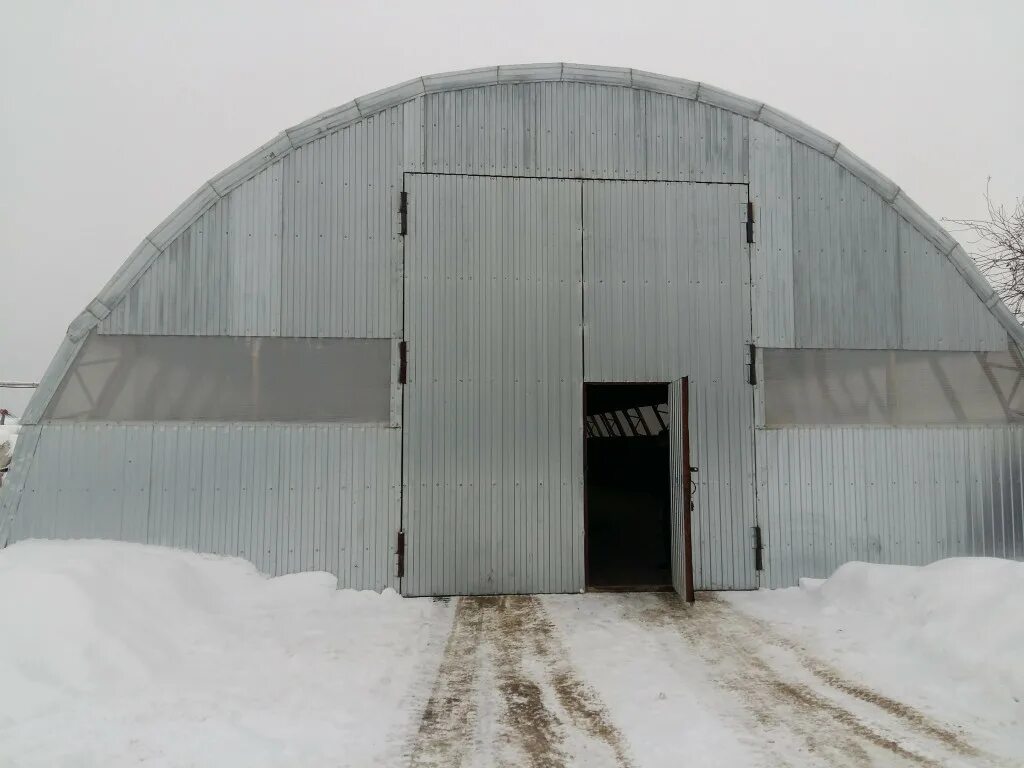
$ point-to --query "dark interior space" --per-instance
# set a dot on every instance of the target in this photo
(628, 486)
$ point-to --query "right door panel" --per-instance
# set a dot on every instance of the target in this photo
(667, 295)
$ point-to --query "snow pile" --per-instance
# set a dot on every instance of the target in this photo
(115, 653)
(951, 630)
(8, 437)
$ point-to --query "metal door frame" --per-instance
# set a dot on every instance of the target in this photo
(684, 410)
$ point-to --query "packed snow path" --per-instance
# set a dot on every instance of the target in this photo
(506, 694)
(704, 683)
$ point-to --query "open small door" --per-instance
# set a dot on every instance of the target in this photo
(679, 453)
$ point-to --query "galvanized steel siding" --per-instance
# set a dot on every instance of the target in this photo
(221, 276)
(846, 276)
(827, 495)
(666, 295)
(563, 129)
(342, 249)
(493, 451)
(692, 141)
(863, 276)
(300, 239)
(287, 497)
(307, 247)
(771, 192)
(939, 309)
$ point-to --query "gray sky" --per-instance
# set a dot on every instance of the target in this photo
(112, 113)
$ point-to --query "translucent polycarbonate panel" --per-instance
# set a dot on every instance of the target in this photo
(900, 387)
(226, 378)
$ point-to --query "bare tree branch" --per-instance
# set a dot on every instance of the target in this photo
(998, 249)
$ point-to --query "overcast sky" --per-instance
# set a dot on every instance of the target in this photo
(113, 113)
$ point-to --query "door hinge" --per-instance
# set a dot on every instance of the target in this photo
(403, 363)
(752, 365)
(400, 555)
(750, 222)
(758, 549)
(403, 212)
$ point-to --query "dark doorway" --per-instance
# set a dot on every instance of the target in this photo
(628, 486)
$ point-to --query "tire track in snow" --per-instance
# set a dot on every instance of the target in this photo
(446, 726)
(832, 677)
(542, 710)
(734, 644)
(524, 621)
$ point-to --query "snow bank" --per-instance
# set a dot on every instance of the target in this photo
(956, 622)
(115, 653)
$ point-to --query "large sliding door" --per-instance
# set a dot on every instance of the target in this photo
(493, 425)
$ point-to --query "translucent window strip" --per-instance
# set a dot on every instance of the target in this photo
(226, 378)
(863, 386)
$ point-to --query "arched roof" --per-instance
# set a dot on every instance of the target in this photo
(346, 114)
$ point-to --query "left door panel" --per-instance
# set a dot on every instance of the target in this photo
(493, 428)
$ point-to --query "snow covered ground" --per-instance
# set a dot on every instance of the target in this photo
(947, 638)
(119, 654)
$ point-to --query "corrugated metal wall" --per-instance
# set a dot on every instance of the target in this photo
(771, 266)
(287, 497)
(307, 247)
(939, 310)
(342, 249)
(666, 295)
(300, 238)
(222, 275)
(493, 478)
(582, 130)
(863, 277)
(827, 495)
(846, 280)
